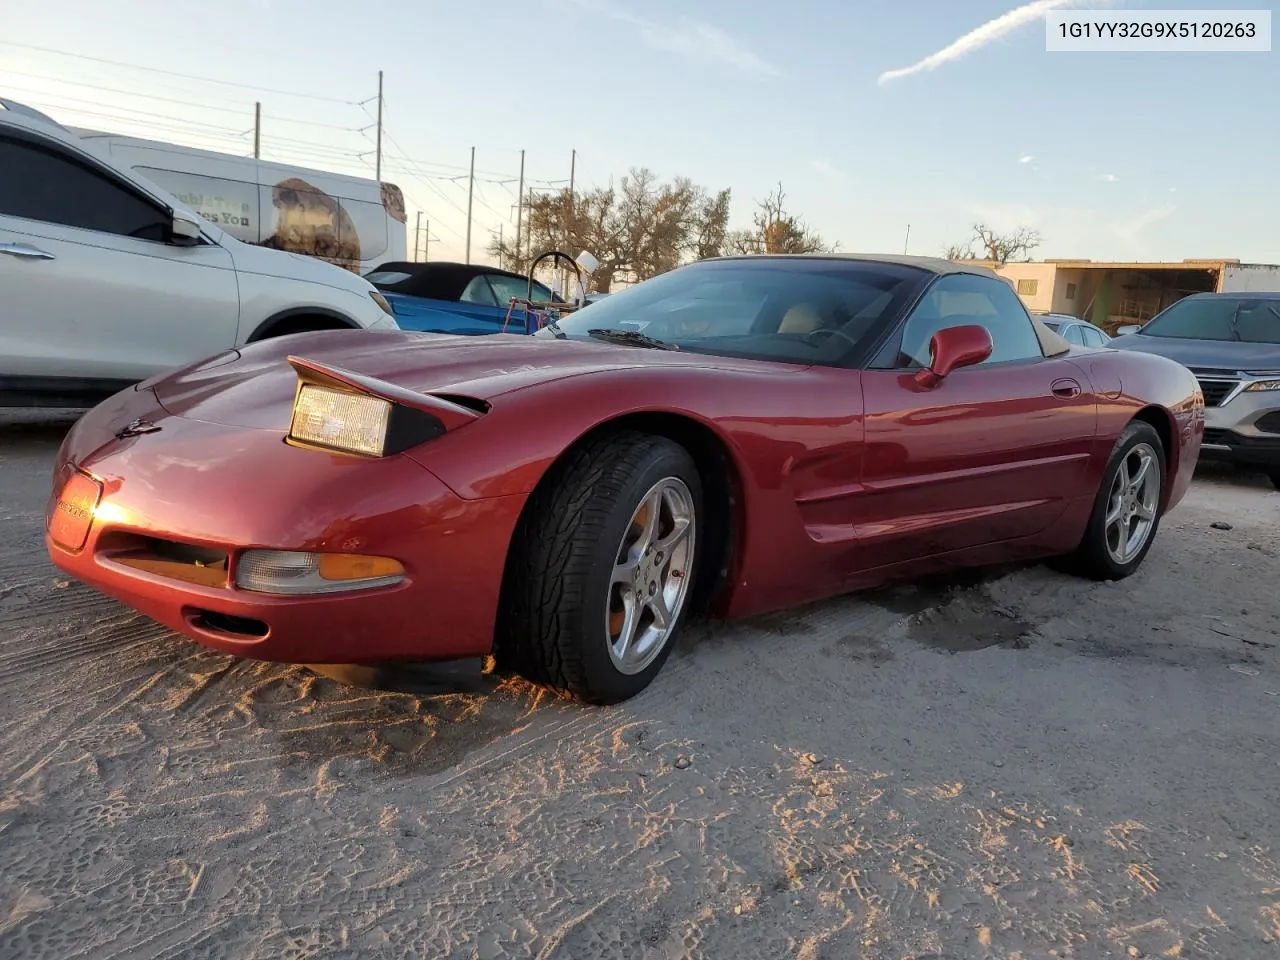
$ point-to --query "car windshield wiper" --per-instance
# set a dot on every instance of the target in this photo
(631, 337)
(1235, 321)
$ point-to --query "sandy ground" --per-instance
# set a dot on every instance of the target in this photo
(1016, 764)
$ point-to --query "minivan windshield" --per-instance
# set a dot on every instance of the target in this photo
(1244, 319)
(815, 310)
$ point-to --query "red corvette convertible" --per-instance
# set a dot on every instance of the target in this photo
(735, 436)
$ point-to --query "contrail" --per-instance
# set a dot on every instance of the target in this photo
(979, 37)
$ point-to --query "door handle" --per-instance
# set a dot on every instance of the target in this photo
(25, 250)
(1065, 388)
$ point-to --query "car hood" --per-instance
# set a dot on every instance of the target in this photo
(254, 386)
(1227, 355)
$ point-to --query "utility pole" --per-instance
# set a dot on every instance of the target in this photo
(257, 130)
(471, 190)
(519, 208)
(417, 236)
(906, 241)
(564, 271)
(426, 243)
(378, 161)
(500, 231)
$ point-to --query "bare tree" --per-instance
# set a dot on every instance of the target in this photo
(997, 247)
(774, 230)
(638, 229)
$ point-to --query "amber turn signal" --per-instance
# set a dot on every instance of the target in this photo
(353, 566)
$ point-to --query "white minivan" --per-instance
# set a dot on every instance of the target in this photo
(354, 222)
(106, 279)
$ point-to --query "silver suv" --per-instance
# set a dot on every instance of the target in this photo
(106, 280)
(1231, 342)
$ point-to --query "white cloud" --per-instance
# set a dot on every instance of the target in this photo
(1109, 178)
(1026, 158)
(688, 37)
(981, 36)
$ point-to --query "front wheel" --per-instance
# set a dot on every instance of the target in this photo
(602, 566)
(1126, 512)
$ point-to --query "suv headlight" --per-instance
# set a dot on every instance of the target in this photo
(380, 300)
(1259, 386)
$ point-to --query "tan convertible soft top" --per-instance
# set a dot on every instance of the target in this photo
(1051, 343)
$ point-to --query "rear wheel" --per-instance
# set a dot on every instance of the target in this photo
(601, 568)
(1275, 478)
(1126, 512)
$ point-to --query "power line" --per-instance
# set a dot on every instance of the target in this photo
(133, 110)
(216, 133)
(171, 73)
(242, 111)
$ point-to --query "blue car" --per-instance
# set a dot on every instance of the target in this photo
(467, 299)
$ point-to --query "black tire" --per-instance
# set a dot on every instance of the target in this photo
(1092, 558)
(552, 625)
(1275, 478)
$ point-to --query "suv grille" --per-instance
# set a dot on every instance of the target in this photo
(1215, 391)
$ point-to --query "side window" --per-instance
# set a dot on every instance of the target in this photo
(1074, 334)
(231, 204)
(478, 292)
(45, 184)
(1094, 338)
(959, 299)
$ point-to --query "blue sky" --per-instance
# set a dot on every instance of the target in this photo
(1110, 156)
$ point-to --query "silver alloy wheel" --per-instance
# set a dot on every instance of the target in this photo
(1132, 503)
(651, 575)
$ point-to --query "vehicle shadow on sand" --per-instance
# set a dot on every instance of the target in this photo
(406, 719)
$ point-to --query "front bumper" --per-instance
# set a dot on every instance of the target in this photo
(1247, 450)
(200, 487)
(1245, 430)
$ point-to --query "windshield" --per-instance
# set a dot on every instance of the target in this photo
(1249, 320)
(793, 310)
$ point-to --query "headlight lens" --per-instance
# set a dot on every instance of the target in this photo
(1260, 385)
(350, 422)
(381, 301)
(295, 573)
